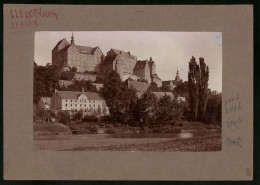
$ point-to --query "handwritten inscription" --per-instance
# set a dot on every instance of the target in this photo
(232, 107)
(237, 142)
(29, 18)
(233, 122)
(233, 104)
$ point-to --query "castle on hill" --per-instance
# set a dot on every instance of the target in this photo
(91, 59)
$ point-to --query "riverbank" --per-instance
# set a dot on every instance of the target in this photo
(105, 142)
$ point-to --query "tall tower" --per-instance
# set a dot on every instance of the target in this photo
(177, 78)
(72, 39)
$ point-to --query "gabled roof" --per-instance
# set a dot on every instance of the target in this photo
(82, 49)
(66, 43)
(138, 86)
(140, 64)
(156, 76)
(46, 100)
(117, 51)
(75, 95)
(86, 49)
(167, 82)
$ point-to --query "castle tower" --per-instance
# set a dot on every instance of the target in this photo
(72, 39)
(177, 78)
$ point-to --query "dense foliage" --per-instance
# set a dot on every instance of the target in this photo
(126, 108)
(45, 81)
(198, 77)
(79, 85)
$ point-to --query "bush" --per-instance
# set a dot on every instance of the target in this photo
(105, 119)
(90, 118)
(63, 117)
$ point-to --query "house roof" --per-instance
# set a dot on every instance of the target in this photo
(157, 94)
(140, 64)
(138, 86)
(66, 43)
(117, 51)
(46, 100)
(156, 76)
(82, 49)
(167, 82)
(86, 49)
(75, 95)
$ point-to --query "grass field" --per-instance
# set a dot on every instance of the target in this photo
(56, 136)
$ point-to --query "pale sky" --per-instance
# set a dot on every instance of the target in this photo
(169, 50)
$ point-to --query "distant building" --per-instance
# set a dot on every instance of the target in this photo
(65, 83)
(90, 62)
(171, 84)
(84, 58)
(158, 94)
(147, 70)
(87, 76)
(86, 102)
(120, 61)
(138, 86)
(44, 103)
(98, 86)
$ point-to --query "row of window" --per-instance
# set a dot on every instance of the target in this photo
(90, 101)
(67, 105)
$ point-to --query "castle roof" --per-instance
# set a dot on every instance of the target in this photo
(75, 95)
(86, 49)
(138, 86)
(62, 40)
(120, 52)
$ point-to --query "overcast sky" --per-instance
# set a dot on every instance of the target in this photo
(169, 50)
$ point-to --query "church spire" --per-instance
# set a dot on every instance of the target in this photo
(177, 78)
(72, 39)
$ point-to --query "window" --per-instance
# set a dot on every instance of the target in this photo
(71, 105)
(75, 105)
(66, 105)
(71, 100)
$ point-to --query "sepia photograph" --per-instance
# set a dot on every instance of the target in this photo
(127, 91)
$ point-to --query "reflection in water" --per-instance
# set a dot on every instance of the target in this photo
(185, 135)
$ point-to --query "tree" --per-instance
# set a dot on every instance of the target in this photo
(169, 110)
(79, 85)
(198, 77)
(45, 81)
(147, 108)
(214, 108)
(194, 84)
(153, 87)
(111, 92)
(203, 89)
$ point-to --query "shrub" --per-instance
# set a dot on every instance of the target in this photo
(90, 118)
(63, 117)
